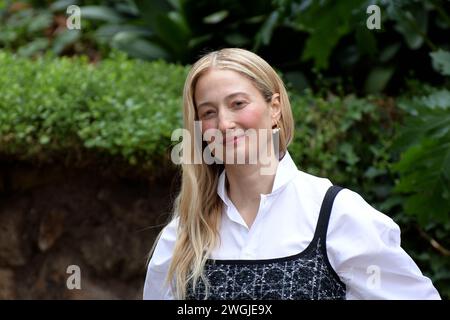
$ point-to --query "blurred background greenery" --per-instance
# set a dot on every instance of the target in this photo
(372, 107)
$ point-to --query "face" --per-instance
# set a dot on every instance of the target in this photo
(230, 103)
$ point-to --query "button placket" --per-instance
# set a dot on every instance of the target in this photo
(246, 252)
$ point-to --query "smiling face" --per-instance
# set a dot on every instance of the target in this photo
(227, 101)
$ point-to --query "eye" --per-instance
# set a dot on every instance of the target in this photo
(239, 103)
(207, 114)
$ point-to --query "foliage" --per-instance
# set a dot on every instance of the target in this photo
(424, 172)
(305, 39)
(316, 44)
(343, 138)
(424, 167)
(31, 28)
(441, 61)
(175, 30)
(340, 43)
(119, 107)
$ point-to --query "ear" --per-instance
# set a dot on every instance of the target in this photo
(275, 108)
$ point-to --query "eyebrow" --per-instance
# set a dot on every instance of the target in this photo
(228, 97)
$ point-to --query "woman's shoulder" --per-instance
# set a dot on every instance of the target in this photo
(349, 206)
(311, 185)
(155, 286)
(162, 254)
(355, 221)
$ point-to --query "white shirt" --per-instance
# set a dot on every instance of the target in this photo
(363, 244)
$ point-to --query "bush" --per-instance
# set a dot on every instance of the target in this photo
(345, 138)
(424, 179)
(120, 107)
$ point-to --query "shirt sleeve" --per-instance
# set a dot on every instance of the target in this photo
(155, 286)
(364, 249)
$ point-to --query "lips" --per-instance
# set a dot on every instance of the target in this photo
(231, 139)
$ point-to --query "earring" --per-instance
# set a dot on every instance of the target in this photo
(276, 129)
(276, 140)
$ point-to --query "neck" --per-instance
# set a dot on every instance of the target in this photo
(246, 183)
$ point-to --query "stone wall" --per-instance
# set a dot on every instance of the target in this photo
(53, 217)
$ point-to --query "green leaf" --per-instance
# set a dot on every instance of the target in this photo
(193, 42)
(327, 23)
(44, 139)
(439, 99)
(62, 5)
(268, 27)
(150, 10)
(236, 39)
(177, 4)
(441, 61)
(424, 173)
(40, 22)
(172, 33)
(100, 13)
(108, 31)
(412, 23)
(216, 17)
(137, 47)
(366, 41)
(389, 52)
(39, 44)
(297, 79)
(319, 46)
(377, 79)
(64, 39)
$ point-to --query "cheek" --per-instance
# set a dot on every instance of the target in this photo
(208, 124)
(253, 118)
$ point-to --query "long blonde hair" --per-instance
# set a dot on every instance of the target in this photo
(197, 206)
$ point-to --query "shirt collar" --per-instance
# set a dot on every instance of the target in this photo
(286, 171)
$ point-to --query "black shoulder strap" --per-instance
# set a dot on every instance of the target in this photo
(325, 212)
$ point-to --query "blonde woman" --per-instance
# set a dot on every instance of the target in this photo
(263, 229)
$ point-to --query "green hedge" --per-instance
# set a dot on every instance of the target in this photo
(118, 107)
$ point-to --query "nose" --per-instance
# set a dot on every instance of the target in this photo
(225, 121)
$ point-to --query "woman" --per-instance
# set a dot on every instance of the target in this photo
(264, 229)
